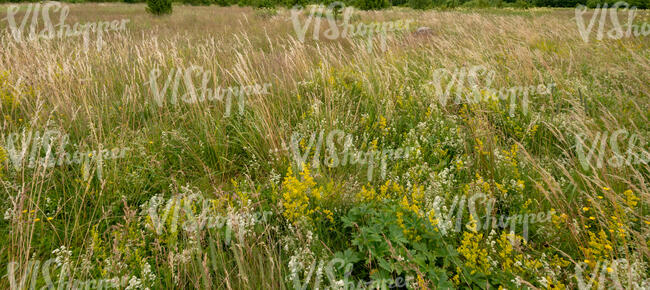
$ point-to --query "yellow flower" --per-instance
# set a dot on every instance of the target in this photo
(472, 224)
(606, 188)
(585, 209)
(632, 200)
(37, 219)
(475, 256)
(382, 123)
(609, 270)
(298, 197)
(50, 218)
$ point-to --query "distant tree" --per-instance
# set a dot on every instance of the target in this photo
(420, 4)
(159, 7)
(198, 2)
(372, 4)
(263, 3)
(292, 3)
(559, 3)
(522, 4)
(224, 2)
(398, 2)
(641, 4)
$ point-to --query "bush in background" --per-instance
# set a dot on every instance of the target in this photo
(420, 4)
(159, 7)
(372, 4)
(198, 2)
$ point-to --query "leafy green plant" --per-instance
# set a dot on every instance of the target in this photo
(400, 247)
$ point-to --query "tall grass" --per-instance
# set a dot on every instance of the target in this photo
(103, 97)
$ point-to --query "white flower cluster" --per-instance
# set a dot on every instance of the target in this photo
(62, 256)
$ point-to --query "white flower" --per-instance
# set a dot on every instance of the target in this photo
(9, 214)
(275, 177)
(62, 256)
(134, 283)
(147, 274)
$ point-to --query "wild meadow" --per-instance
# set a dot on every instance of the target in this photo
(218, 148)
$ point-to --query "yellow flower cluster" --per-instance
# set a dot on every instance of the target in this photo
(6, 96)
(386, 191)
(3, 157)
(616, 225)
(559, 221)
(433, 220)
(368, 195)
(631, 199)
(480, 148)
(329, 215)
(417, 197)
(506, 252)
(409, 233)
(393, 186)
(482, 183)
(600, 248)
(297, 196)
(511, 156)
(382, 125)
(477, 258)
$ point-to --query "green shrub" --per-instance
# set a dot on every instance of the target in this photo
(420, 4)
(641, 4)
(372, 4)
(292, 3)
(198, 2)
(263, 3)
(159, 7)
(559, 3)
(483, 3)
(224, 3)
(522, 4)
